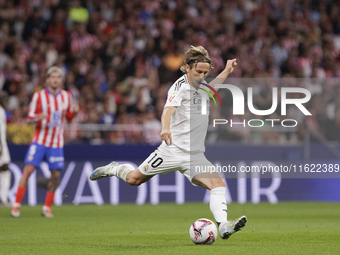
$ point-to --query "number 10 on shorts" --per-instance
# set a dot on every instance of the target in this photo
(156, 161)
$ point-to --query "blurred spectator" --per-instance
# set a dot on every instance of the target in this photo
(152, 127)
(56, 30)
(78, 13)
(107, 117)
(35, 25)
(82, 41)
(4, 58)
(119, 56)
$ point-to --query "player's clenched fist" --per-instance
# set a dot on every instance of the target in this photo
(166, 136)
(230, 65)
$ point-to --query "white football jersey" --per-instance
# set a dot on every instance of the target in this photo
(188, 124)
(4, 152)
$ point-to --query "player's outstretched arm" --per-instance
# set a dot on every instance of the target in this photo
(229, 68)
(166, 118)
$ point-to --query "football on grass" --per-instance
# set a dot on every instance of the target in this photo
(203, 231)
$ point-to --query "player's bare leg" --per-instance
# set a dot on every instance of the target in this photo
(218, 205)
(125, 172)
(136, 178)
(51, 188)
(53, 183)
(28, 170)
(208, 181)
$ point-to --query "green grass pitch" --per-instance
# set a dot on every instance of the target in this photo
(284, 228)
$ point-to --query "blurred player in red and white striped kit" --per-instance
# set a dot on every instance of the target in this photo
(48, 108)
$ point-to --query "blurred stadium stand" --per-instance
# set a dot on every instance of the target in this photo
(120, 57)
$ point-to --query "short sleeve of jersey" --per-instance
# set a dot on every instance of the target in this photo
(175, 97)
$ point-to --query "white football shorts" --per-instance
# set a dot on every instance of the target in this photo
(171, 158)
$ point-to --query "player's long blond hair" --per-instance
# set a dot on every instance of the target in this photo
(194, 55)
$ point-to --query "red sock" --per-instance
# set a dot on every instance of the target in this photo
(20, 194)
(49, 198)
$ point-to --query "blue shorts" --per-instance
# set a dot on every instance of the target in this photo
(53, 156)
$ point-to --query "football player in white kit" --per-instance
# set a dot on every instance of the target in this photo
(5, 158)
(183, 133)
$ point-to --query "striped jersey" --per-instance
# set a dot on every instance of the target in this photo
(49, 131)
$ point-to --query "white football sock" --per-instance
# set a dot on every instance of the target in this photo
(5, 183)
(218, 205)
(121, 171)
